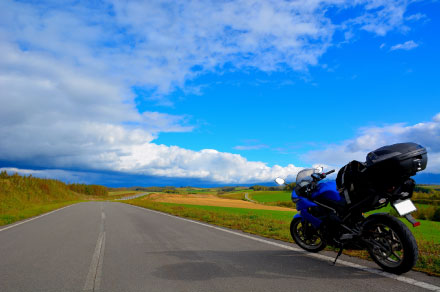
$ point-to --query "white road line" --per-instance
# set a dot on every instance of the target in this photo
(99, 268)
(95, 265)
(313, 255)
(93, 280)
(33, 218)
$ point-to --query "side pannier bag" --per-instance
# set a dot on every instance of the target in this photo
(351, 180)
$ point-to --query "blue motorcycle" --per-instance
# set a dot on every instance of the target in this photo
(333, 212)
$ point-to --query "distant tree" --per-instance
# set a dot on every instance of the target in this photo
(436, 216)
(290, 187)
(228, 189)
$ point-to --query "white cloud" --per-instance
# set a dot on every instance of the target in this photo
(157, 43)
(415, 17)
(408, 45)
(67, 68)
(208, 164)
(64, 119)
(382, 16)
(251, 147)
(369, 139)
(161, 122)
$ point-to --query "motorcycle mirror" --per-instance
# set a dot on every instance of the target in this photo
(280, 181)
(319, 169)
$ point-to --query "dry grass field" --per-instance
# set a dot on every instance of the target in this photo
(210, 200)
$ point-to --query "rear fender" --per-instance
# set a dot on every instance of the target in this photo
(374, 217)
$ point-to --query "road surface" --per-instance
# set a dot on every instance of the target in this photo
(132, 197)
(108, 246)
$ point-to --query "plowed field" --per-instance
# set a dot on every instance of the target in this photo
(210, 200)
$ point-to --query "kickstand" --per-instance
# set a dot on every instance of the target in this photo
(339, 254)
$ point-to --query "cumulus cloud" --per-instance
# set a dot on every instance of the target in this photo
(208, 164)
(369, 139)
(67, 69)
(157, 44)
(408, 45)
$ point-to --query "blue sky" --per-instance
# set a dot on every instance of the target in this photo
(202, 93)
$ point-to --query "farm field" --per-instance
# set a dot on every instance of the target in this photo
(209, 200)
(124, 193)
(270, 196)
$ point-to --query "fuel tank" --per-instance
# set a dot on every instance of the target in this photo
(328, 191)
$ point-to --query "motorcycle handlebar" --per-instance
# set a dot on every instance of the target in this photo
(319, 176)
(331, 171)
(324, 175)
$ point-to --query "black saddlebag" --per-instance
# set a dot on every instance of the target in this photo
(391, 164)
(386, 169)
(351, 181)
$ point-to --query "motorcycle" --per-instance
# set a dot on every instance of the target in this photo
(333, 212)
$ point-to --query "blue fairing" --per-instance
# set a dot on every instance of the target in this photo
(302, 205)
(327, 190)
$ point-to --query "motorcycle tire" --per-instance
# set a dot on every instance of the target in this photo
(399, 252)
(311, 240)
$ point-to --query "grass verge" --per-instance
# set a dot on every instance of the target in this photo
(22, 197)
(272, 196)
(275, 224)
(32, 211)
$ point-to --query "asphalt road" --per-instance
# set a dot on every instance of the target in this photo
(104, 246)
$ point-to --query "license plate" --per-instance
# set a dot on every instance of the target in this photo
(404, 207)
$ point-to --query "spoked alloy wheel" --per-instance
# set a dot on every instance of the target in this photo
(394, 247)
(306, 236)
(390, 252)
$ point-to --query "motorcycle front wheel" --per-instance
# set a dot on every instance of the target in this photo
(393, 245)
(306, 236)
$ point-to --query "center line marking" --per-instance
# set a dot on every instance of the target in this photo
(94, 276)
(93, 280)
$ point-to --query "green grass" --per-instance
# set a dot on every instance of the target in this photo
(434, 187)
(234, 196)
(273, 198)
(124, 193)
(32, 211)
(277, 215)
(194, 191)
(275, 224)
(427, 230)
(22, 197)
(270, 196)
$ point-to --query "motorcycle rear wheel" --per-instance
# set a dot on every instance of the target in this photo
(306, 236)
(395, 248)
